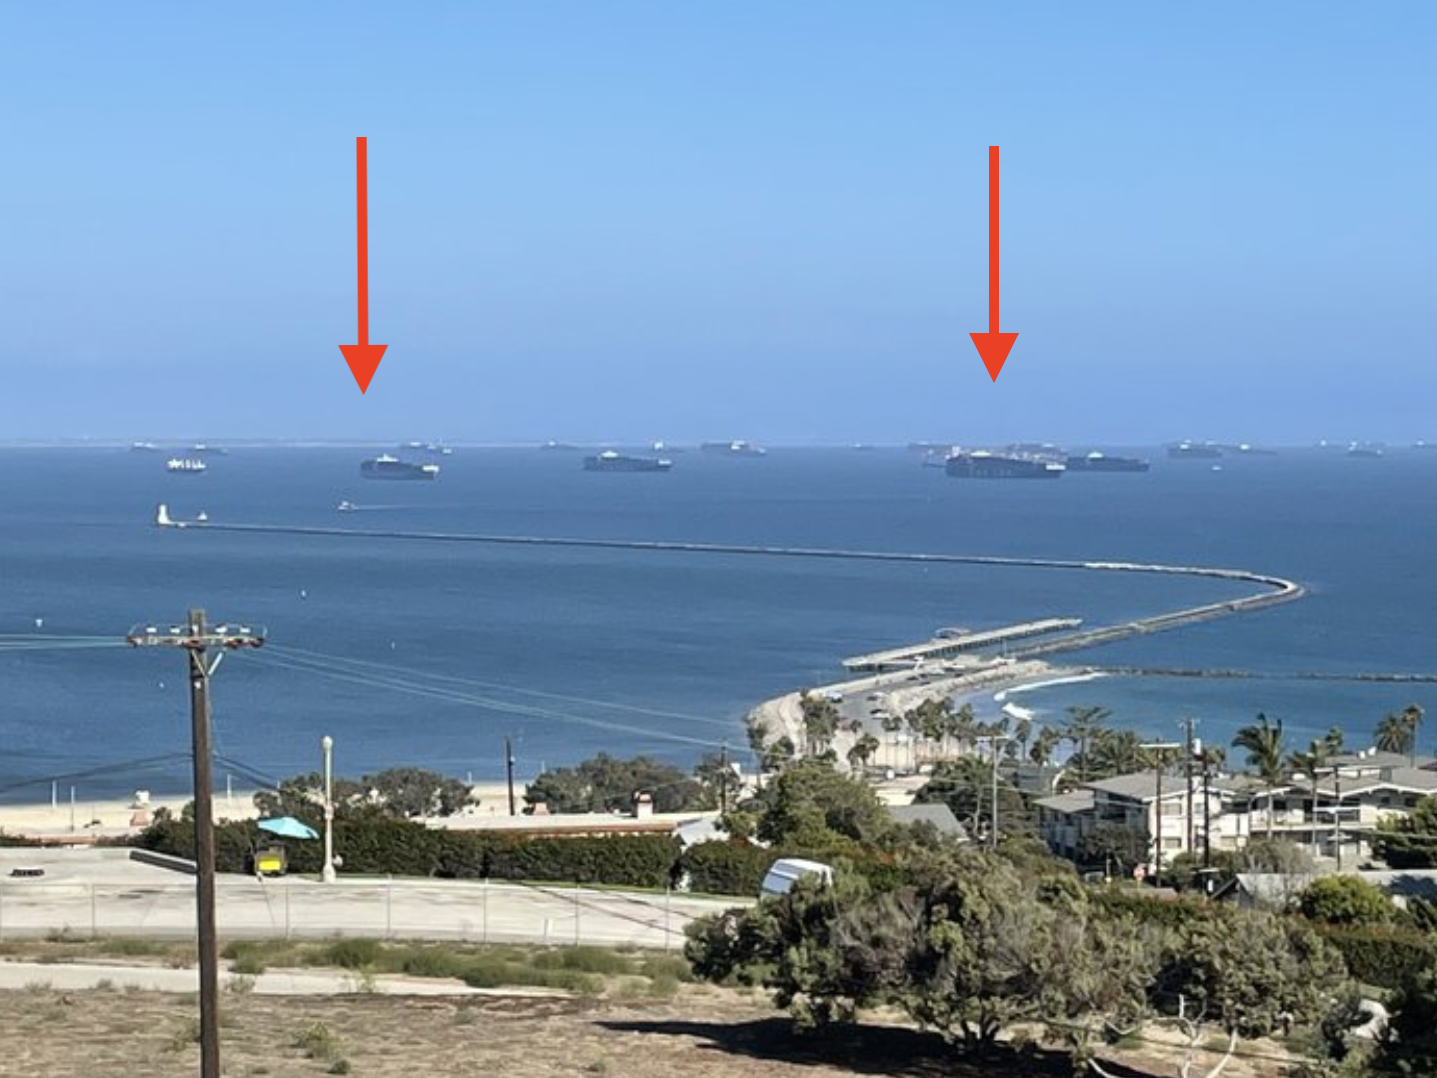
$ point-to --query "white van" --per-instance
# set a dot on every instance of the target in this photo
(787, 871)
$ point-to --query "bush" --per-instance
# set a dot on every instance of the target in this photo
(726, 868)
(352, 953)
(1345, 900)
(1386, 956)
(373, 844)
(1143, 906)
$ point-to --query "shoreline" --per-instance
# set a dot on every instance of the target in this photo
(118, 817)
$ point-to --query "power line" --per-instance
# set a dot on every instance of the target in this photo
(301, 654)
(103, 769)
(416, 688)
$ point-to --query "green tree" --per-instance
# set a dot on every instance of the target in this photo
(409, 792)
(862, 751)
(965, 785)
(820, 723)
(1083, 725)
(719, 783)
(1345, 900)
(302, 796)
(608, 784)
(1397, 732)
(1264, 744)
(1410, 1047)
(1409, 841)
(1247, 973)
(1113, 752)
(400, 792)
(813, 806)
(1044, 745)
(1117, 846)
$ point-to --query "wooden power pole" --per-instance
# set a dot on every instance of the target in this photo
(197, 639)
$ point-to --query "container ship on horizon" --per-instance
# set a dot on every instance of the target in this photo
(1101, 462)
(1195, 451)
(386, 467)
(986, 464)
(610, 461)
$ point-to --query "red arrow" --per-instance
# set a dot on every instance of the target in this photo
(363, 358)
(993, 346)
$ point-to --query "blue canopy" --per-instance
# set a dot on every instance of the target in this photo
(288, 827)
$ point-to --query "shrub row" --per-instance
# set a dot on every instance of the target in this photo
(1385, 956)
(383, 846)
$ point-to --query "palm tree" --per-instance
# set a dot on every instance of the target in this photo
(1047, 740)
(1412, 717)
(820, 723)
(1263, 742)
(1114, 752)
(862, 750)
(1082, 726)
(1395, 734)
(1022, 734)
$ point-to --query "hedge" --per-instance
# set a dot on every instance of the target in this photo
(735, 867)
(383, 846)
(1385, 956)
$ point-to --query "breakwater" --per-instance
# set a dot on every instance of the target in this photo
(1274, 589)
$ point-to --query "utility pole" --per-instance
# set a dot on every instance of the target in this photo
(1188, 724)
(993, 740)
(723, 779)
(1206, 812)
(509, 771)
(1337, 813)
(196, 638)
(1158, 748)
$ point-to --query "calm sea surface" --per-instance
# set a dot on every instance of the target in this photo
(441, 648)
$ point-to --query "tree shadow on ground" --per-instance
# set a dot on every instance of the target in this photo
(888, 1050)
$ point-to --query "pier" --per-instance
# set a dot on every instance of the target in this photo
(950, 647)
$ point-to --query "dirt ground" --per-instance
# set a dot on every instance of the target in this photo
(700, 1033)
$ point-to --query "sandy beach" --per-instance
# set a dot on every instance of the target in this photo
(87, 820)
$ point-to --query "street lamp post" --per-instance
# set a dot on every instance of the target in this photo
(327, 873)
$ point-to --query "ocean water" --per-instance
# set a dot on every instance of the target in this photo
(435, 652)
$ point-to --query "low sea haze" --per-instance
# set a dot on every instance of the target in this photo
(427, 653)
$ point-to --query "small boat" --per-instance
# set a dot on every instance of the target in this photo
(347, 507)
(186, 465)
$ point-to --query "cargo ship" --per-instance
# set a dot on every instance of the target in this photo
(1101, 462)
(983, 464)
(1194, 451)
(609, 461)
(733, 449)
(1364, 449)
(386, 467)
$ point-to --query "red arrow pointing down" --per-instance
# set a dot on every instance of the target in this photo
(993, 346)
(363, 358)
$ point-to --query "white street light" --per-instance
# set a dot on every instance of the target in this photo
(327, 873)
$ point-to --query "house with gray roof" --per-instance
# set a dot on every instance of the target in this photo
(1334, 814)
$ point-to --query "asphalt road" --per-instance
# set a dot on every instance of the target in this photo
(101, 892)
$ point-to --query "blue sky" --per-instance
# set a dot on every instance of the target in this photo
(763, 220)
